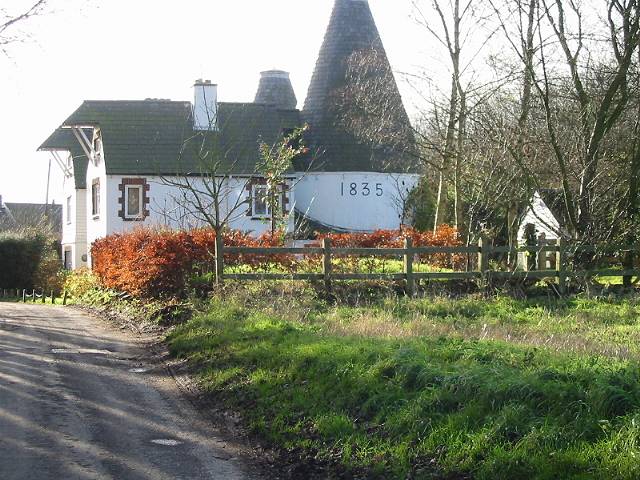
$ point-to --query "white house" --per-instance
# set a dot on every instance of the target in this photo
(123, 160)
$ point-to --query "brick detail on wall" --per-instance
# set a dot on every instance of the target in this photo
(145, 198)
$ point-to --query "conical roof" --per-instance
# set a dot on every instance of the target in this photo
(275, 89)
(353, 107)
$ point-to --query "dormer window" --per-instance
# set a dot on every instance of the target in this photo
(97, 149)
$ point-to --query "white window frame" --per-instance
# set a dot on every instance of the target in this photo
(255, 188)
(69, 208)
(140, 214)
(95, 198)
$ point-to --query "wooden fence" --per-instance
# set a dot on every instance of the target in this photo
(550, 261)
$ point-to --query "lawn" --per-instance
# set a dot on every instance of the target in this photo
(393, 388)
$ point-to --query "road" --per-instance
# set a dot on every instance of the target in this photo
(79, 400)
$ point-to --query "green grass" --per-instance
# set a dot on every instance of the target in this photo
(399, 401)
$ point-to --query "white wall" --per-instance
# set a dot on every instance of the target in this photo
(539, 215)
(97, 224)
(375, 203)
(74, 228)
(166, 207)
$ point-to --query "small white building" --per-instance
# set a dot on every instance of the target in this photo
(123, 160)
(543, 219)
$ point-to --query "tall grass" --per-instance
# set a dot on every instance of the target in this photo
(399, 402)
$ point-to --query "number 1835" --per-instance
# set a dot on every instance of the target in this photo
(363, 189)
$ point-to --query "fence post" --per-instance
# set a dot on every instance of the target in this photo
(408, 266)
(24, 295)
(483, 255)
(219, 259)
(53, 298)
(33, 296)
(64, 298)
(326, 263)
(44, 296)
(561, 263)
(542, 254)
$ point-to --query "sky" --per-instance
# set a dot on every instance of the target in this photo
(137, 49)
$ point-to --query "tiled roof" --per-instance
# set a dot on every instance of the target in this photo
(32, 215)
(156, 137)
(275, 89)
(330, 105)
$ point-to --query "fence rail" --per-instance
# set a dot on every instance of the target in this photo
(33, 295)
(544, 261)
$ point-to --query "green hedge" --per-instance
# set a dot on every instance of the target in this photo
(20, 257)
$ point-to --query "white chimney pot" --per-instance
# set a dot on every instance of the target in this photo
(205, 105)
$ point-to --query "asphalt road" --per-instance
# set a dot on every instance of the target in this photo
(77, 402)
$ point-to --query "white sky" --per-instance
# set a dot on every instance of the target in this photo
(136, 49)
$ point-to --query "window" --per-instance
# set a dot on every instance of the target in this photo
(133, 204)
(95, 198)
(68, 259)
(69, 213)
(134, 199)
(260, 204)
(97, 148)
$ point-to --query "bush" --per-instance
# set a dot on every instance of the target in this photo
(20, 257)
(445, 236)
(81, 282)
(155, 263)
(158, 263)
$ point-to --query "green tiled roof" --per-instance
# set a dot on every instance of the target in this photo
(156, 137)
(63, 139)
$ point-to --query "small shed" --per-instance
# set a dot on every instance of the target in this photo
(544, 220)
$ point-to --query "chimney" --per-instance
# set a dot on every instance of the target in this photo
(205, 105)
(275, 89)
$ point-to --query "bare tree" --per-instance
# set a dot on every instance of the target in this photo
(9, 21)
(214, 186)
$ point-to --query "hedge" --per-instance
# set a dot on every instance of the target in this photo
(20, 257)
(158, 263)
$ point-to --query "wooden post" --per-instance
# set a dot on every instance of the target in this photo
(219, 259)
(326, 263)
(44, 296)
(483, 255)
(24, 295)
(483, 260)
(408, 266)
(561, 266)
(33, 296)
(542, 254)
(64, 298)
(53, 298)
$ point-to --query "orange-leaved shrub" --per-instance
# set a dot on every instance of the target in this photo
(154, 263)
(444, 236)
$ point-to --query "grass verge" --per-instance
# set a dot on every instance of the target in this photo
(429, 404)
